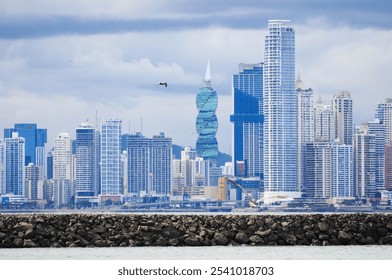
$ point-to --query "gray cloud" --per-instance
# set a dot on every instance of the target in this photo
(178, 15)
(59, 63)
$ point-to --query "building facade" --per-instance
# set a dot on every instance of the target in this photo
(15, 165)
(247, 119)
(280, 111)
(324, 122)
(206, 121)
(111, 177)
(35, 140)
(149, 165)
(305, 126)
(364, 148)
(87, 161)
(63, 175)
(342, 106)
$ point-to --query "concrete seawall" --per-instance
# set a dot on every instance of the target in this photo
(123, 230)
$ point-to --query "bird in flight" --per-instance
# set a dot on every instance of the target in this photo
(162, 84)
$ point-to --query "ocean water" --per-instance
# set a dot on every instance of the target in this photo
(204, 253)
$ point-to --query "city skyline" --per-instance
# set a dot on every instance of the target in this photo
(69, 61)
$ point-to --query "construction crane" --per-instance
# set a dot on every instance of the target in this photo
(252, 202)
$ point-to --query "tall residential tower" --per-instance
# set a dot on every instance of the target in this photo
(280, 112)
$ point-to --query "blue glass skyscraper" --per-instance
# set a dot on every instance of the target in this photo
(35, 140)
(280, 111)
(248, 120)
(206, 121)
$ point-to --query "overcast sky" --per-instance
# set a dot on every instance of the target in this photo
(62, 61)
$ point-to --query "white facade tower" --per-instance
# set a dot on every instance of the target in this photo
(280, 113)
(111, 182)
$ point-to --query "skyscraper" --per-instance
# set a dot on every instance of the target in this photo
(206, 121)
(87, 161)
(364, 148)
(138, 148)
(15, 164)
(384, 115)
(62, 169)
(342, 106)
(110, 158)
(324, 122)
(377, 128)
(280, 112)
(317, 179)
(161, 161)
(149, 164)
(305, 126)
(35, 140)
(342, 171)
(248, 119)
(2, 167)
(32, 182)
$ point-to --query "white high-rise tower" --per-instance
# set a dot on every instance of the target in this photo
(111, 158)
(280, 113)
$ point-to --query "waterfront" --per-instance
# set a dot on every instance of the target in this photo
(375, 252)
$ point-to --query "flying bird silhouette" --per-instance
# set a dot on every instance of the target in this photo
(162, 84)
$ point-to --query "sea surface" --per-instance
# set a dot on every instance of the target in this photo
(373, 252)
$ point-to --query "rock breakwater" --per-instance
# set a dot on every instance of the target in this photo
(124, 230)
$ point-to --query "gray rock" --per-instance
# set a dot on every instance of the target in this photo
(18, 242)
(23, 226)
(27, 243)
(291, 239)
(242, 237)
(220, 239)
(323, 226)
(256, 239)
(192, 241)
(344, 237)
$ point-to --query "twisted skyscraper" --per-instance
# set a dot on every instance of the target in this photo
(206, 121)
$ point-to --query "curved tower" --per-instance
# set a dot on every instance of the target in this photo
(206, 121)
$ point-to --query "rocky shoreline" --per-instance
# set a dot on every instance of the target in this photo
(130, 230)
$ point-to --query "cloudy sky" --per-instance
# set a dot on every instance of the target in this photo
(62, 61)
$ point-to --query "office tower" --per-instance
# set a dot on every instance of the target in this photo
(342, 107)
(377, 128)
(110, 158)
(305, 126)
(247, 119)
(342, 186)
(324, 122)
(87, 161)
(2, 167)
(149, 165)
(280, 111)
(364, 148)
(32, 182)
(383, 113)
(318, 165)
(14, 164)
(388, 167)
(206, 121)
(62, 169)
(138, 148)
(161, 161)
(49, 165)
(35, 140)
